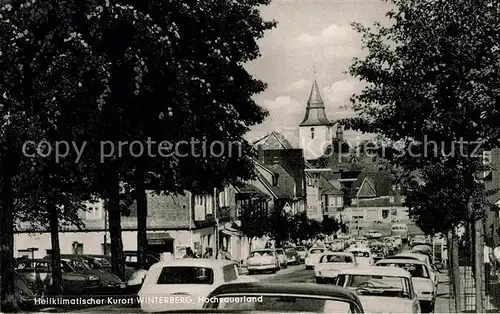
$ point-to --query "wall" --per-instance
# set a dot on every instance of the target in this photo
(314, 210)
(92, 241)
(314, 148)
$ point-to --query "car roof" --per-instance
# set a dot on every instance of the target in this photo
(316, 248)
(412, 254)
(359, 249)
(338, 253)
(401, 261)
(194, 262)
(308, 289)
(421, 247)
(376, 270)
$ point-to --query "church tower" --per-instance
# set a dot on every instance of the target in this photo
(315, 131)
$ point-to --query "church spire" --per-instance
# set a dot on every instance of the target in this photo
(315, 111)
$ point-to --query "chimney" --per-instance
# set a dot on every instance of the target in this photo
(260, 153)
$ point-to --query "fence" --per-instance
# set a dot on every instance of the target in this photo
(491, 301)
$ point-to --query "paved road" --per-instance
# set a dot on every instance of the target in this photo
(292, 274)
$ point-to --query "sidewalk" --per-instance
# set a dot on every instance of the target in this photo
(443, 299)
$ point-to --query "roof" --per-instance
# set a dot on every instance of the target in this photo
(315, 111)
(399, 261)
(286, 183)
(195, 262)
(338, 253)
(373, 184)
(273, 140)
(376, 271)
(288, 288)
(329, 187)
(248, 188)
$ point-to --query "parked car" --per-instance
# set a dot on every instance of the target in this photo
(379, 250)
(418, 240)
(99, 267)
(25, 297)
(420, 275)
(302, 251)
(313, 256)
(283, 297)
(38, 273)
(421, 257)
(131, 259)
(391, 244)
(292, 256)
(330, 263)
(187, 279)
(400, 230)
(373, 234)
(363, 255)
(282, 257)
(381, 289)
(263, 260)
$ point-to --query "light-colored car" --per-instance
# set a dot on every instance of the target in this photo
(282, 258)
(330, 263)
(420, 276)
(398, 240)
(189, 281)
(423, 258)
(373, 234)
(313, 256)
(400, 230)
(282, 297)
(381, 289)
(302, 251)
(419, 240)
(263, 260)
(363, 255)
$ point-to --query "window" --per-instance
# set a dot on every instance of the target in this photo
(223, 198)
(230, 273)
(93, 211)
(208, 205)
(275, 179)
(186, 276)
(77, 248)
(198, 200)
(312, 133)
(385, 214)
(354, 201)
(391, 199)
(341, 280)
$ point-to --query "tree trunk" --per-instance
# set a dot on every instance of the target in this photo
(115, 227)
(7, 298)
(56, 252)
(142, 214)
(479, 277)
(457, 284)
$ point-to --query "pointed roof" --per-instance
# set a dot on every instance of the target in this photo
(315, 111)
(315, 99)
(273, 140)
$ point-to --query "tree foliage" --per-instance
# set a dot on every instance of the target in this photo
(254, 222)
(330, 225)
(432, 89)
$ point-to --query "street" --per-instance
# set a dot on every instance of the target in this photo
(292, 274)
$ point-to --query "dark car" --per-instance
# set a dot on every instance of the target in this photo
(131, 259)
(379, 251)
(38, 274)
(292, 256)
(278, 297)
(99, 267)
(25, 297)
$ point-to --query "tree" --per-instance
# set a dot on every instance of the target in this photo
(280, 226)
(303, 228)
(432, 92)
(253, 221)
(330, 225)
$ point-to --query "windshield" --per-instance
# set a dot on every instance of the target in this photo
(316, 251)
(186, 275)
(336, 259)
(66, 268)
(261, 253)
(386, 286)
(280, 304)
(416, 270)
(280, 252)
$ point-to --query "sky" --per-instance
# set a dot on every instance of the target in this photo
(313, 40)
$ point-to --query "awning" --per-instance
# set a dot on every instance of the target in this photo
(158, 237)
(232, 233)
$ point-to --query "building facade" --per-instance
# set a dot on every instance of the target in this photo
(169, 224)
